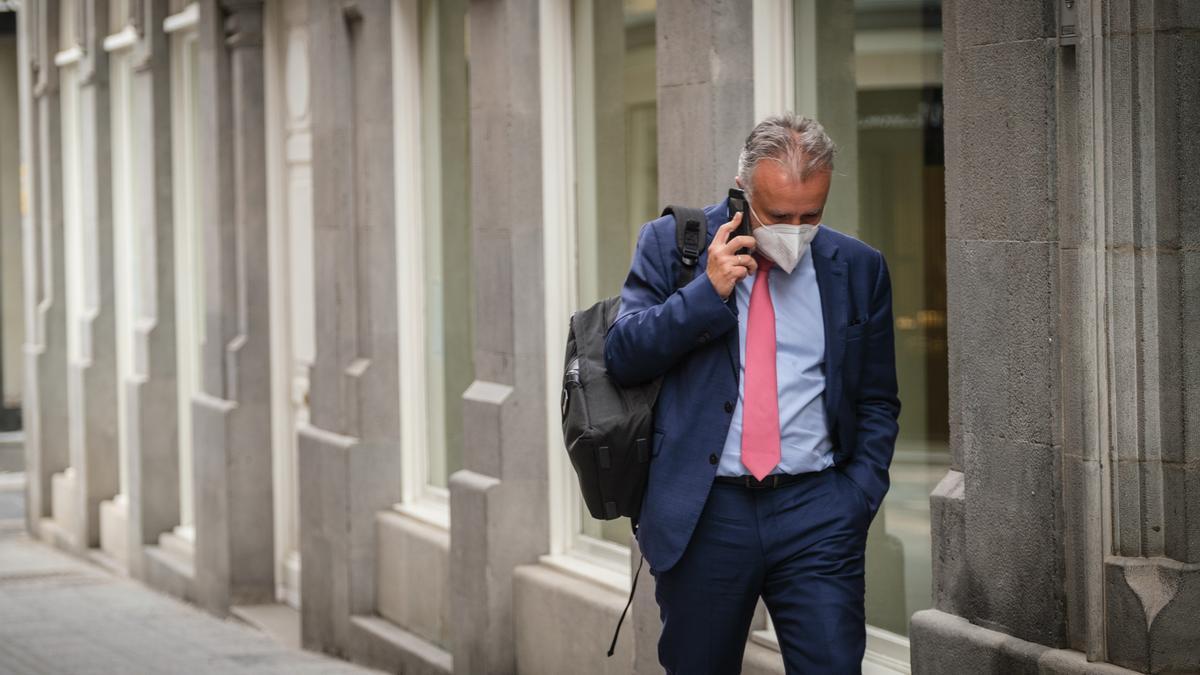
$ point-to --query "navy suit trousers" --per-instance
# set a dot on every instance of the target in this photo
(800, 547)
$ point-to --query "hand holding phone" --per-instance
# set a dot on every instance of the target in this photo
(729, 258)
(738, 204)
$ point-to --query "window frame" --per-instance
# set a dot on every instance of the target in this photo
(419, 498)
(571, 551)
(777, 87)
(128, 263)
(182, 30)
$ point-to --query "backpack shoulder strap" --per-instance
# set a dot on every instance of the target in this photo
(691, 226)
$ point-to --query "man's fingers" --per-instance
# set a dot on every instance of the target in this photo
(723, 232)
(739, 242)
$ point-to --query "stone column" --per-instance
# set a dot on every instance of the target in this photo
(498, 501)
(1004, 390)
(92, 379)
(45, 406)
(235, 561)
(46, 445)
(349, 463)
(1139, 84)
(705, 97)
(705, 110)
(1066, 535)
(152, 426)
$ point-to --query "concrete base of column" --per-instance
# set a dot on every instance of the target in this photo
(46, 444)
(114, 532)
(95, 455)
(153, 491)
(944, 643)
(564, 624)
(235, 557)
(170, 567)
(481, 595)
(60, 528)
(1152, 606)
(379, 643)
(343, 483)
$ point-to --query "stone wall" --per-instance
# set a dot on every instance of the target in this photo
(1064, 535)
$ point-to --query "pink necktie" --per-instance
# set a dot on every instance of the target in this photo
(760, 409)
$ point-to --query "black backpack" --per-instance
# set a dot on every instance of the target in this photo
(608, 428)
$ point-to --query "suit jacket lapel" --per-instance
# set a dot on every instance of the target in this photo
(832, 281)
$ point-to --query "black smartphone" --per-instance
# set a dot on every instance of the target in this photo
(738, 204)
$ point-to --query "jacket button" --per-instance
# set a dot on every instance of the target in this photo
(712, 459)
(704, 337)
(728, 406)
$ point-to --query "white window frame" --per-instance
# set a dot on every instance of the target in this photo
(586, 557)
(419, 498)
(774, 57)
(290, 233)
(182, 30)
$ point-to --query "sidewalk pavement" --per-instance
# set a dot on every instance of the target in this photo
(59, 614)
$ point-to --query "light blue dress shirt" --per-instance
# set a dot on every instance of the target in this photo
(800, 377)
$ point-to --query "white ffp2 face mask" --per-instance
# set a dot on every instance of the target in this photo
(785, 245)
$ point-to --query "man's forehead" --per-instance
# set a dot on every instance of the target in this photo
(773, 182)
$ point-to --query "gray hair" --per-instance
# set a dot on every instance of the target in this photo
(798, 143)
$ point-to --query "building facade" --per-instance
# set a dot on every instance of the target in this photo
(298, 273)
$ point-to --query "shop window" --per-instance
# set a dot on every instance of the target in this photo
(189, 238)
(871, 72)
(432, 78)
(601, 151)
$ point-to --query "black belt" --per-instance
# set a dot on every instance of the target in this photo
(776, 480)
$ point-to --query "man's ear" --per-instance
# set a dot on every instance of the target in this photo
(737, 180)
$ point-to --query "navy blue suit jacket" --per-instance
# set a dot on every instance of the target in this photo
(690, 337)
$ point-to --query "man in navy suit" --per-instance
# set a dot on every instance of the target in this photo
(777, 417)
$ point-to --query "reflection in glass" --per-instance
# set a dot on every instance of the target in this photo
(878, 62)
(189, 248)
(447, 230)
(616, 157)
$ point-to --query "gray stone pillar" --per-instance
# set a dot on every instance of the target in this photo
(705, 97)
(1001, 254)
(92, 379)
(1067, 531)
(46, 444)
(349, 459)
(235, 561)
(152, 425)
(1138, 75)
(705, 109)
(498, 501)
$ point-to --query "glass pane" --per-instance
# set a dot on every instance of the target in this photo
(447, 169)
(189, 248)
(889, 191)
(616, 115)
